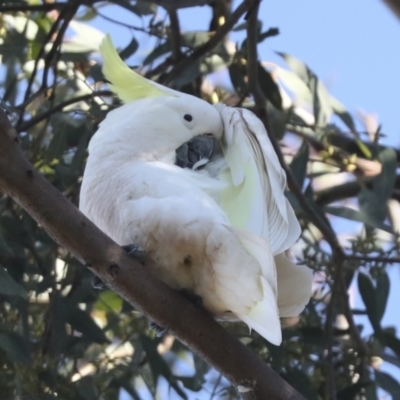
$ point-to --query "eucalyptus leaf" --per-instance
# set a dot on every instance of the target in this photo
(15, 347)
(162, 49)
(349, 213)
(8, 286)
(299, 163)
(382, 293)
(130, 49)
(297, 66)
(82, 322)
(269, 87)
(350, 392)
(237, 78)
(388, 383)
(368, 295)
(383, 184)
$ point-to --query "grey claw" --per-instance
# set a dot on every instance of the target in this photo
(97, 283)
(160, 331)
(136, 253)
(193, 297)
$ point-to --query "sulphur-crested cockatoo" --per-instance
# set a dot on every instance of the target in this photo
(200, 189)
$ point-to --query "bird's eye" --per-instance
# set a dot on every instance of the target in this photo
(188, 117)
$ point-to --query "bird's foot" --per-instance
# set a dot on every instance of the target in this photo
(134, 252)
(160, 331)
(97, 283)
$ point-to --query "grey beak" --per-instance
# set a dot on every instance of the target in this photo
(191, 153)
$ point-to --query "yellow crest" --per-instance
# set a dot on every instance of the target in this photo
(125, 83)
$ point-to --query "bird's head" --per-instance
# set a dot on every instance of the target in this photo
(155, 122)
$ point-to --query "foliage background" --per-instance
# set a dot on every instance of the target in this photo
(60, 338)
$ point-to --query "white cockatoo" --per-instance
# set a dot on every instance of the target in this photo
(200, 189)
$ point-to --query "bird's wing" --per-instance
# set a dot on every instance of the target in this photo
(254, 198)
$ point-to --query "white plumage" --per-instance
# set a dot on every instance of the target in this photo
(220, 231)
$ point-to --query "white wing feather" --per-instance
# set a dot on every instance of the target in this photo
(254, 198)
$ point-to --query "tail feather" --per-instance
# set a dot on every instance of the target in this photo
(294, 286)
(264, 318)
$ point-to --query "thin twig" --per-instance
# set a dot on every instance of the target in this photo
(389, 260)
(175, 32)
(38, 118)
(42, 7)
(67, 17)
(210, 45)
(47, 39)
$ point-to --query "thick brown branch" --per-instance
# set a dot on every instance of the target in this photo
(71, 229)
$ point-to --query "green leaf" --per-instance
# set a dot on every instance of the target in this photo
(79, 155)
(189, 75)
(58, 143)
(269, 87)
(159, 51)
(159, 366)
(371, 207)
(391, 341)
(277, 121)
(237, 74)
(388, 383)
(382, 293)
(391, 359)
(364, 149)
(340, 110)
(383, 184)
(8, 286)
(297, 66)
(195, 39)
(271, 32)
(350, 392)
(368, 295)
(141, 8)
(299, 163)
(82, 322)
(294, 84)
(15, 347)
(109, 300)
(321, 102)
(5, 249)
(130, 49)
(301, 382)
(349, 213)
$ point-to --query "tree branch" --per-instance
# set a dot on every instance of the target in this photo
(38, 118)
(175, 34)
(394, 5)
(171, 4)
(210, 45)
(190, 324)
(261, 110)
